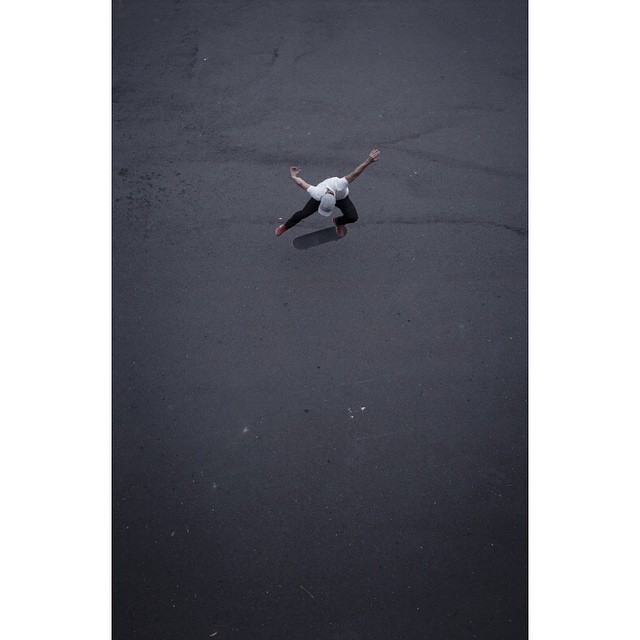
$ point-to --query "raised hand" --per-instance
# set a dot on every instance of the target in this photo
(294, 171)
(374, 155)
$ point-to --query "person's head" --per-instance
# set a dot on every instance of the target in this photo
(327, 203)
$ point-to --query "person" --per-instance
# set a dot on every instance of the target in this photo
(329, 193)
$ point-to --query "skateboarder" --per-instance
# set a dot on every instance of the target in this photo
(329, 193)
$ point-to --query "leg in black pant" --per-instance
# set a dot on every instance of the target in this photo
(310, 208)
(349, 213)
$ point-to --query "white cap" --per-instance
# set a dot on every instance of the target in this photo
(327, 203)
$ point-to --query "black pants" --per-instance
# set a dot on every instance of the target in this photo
(349, 213)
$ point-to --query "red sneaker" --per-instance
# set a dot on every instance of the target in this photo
(340, 228)
(281, 229)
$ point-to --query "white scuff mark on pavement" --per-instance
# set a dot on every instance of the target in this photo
(215, 633)
(362, 408)
(245, 430)
(307, 591)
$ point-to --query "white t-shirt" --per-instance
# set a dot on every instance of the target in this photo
(339, 186)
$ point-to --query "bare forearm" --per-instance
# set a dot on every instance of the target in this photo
(373, 157)
(361, 167)
(300, 182)
(293, 173)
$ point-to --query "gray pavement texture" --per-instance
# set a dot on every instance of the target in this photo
(328, 443)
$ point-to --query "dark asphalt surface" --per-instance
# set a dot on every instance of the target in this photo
(326, 443)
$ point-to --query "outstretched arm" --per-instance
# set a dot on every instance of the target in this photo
(294, 171)
(373, 157)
